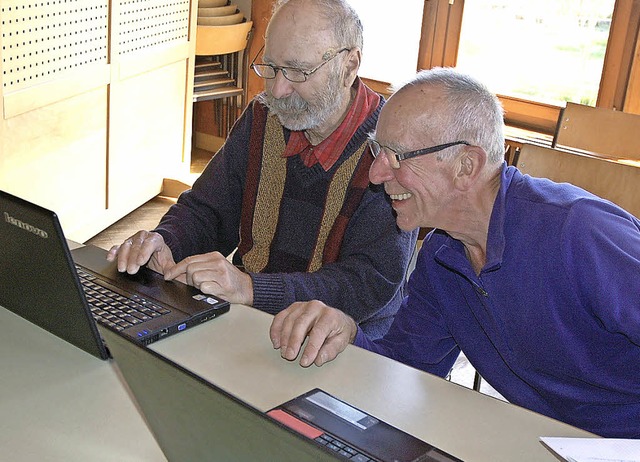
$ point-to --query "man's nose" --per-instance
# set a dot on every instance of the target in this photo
(380, 170)
(280, 86)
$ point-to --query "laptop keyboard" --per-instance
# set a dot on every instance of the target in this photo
(342, 448)
(117, 310)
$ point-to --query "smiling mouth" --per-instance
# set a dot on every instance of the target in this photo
(400, 197)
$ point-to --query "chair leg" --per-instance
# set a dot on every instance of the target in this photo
(193, 126)
(477, 381)
(219, 114)
(227, 116)
(232, 102)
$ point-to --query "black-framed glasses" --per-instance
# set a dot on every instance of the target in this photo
(395, 157)
(292, 74)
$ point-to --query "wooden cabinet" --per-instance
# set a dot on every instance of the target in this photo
(96, 104)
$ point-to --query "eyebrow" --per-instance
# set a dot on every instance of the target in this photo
(291, 63)
(397, 148)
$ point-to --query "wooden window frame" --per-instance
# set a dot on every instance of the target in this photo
(620, 82)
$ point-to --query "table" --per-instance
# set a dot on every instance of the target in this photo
(235, 353)
(60, 403)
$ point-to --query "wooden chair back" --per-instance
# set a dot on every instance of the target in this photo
(220, 40)
(220, 71)
(611, 180)
(598, 130)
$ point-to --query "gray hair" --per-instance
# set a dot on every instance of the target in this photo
(343, 19)
(473, 113)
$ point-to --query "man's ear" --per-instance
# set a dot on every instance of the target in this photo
(469, 165)
(352, 65)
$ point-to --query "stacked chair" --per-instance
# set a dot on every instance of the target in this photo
(222, 36)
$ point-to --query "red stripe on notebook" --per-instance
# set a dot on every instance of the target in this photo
(295, 424)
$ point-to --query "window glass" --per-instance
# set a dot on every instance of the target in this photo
(391, 38)
(551, 51)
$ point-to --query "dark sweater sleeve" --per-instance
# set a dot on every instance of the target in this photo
(206, 218)
(369, 274)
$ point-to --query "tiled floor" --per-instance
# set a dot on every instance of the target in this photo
(148, 215)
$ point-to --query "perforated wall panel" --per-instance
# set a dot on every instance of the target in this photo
(144, 24)
(42, 39)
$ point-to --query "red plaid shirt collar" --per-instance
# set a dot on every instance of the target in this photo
(329, 150)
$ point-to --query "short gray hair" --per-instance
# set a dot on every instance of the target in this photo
(345, 22)
(473, 113)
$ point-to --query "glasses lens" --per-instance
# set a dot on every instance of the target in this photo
(294, 75)
(264, 70)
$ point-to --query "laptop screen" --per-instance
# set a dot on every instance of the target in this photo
(37, 279)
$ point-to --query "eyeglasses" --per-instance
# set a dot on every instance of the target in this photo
(395, 157)
(292, 74)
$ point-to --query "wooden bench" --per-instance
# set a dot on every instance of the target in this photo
(616, 181)
(600, 131)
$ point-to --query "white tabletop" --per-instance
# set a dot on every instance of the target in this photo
(58, 403)
(235, 353)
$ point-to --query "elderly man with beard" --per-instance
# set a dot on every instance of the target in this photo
(289, 189)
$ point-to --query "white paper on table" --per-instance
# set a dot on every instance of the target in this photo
(594, 449)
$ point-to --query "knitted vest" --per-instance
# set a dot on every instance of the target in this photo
(276, 235)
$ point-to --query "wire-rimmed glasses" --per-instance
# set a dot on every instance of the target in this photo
(292, 74)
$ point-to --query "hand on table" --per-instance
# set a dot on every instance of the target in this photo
(328, 329)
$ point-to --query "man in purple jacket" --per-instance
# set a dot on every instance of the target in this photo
(290, 187)
(537, 282)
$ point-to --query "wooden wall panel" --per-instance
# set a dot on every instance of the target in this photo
(55, 156)
(632, 96)
(54, 77)
(143, 135)
(96, 104)
(260, 15)
(147, 99)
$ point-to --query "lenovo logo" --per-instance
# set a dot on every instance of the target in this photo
(26, 226)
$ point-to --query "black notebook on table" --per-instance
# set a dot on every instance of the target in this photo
(352, 433)
(66, 292)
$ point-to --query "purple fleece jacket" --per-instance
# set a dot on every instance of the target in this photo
(553, 320)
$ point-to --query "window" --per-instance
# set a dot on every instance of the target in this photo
(391, 38)
(551, 51)
(535, 55)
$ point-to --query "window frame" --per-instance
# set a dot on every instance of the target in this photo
(619, 86)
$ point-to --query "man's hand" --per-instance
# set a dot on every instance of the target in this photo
(213, 274)
(143, 248)
(329, 331)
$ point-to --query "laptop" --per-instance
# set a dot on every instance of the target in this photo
(40, 281)
(193, 419)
